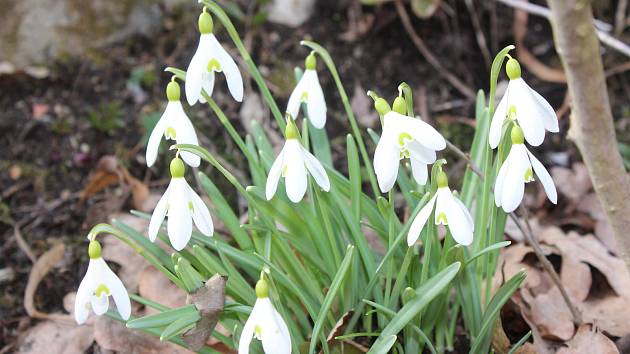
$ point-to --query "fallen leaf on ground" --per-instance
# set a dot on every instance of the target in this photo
(52, 337)
(552, 316)
(588, 341)
(155, 286)
(114, 335)
(42, 266)
(573, 182)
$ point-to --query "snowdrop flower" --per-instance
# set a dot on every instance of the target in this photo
(209, 58)
(174, 125)
(98, 284)
(309, 91)
(183, 206)
(403, 137)
(449, 211)
(266, 325)
(292, 163)
(516, 171)
(532, 112)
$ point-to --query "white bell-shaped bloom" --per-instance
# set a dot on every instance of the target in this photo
(519, 168)
(210, 58)
(449, 211)
(309, 91)
(98, 284)
(532, 112)
(173, 125)
(292, 163)
(404, 137)
(183, 206)
(266, 325)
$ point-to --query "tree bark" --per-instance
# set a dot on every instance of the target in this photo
(591, 119)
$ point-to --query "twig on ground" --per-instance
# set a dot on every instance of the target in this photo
(620, 16)
(481, 39)
(606, 38)
(539, 69)
(428, 55)
(24, 247)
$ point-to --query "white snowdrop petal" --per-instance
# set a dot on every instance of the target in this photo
(418, 129)
(207, 83)
(274, 175)
(421, 153)
(275, 338)
(419, 171)
(84, 294)
(386, 161)
(295, 100)
(100, 304)
(465, 210)
(546, 112)
(230, 70)
(201, 214)
(527, 113)
(179, 223)
(156, 137)
(198, 65)
(117, 290)
(514, 182)
(440, 206)
(545, 178)
(316, 104)
(159, 213)
(498, 184)
(248, 331)
(419, 221)
(496, 125)
(458, 220)
(316, 169)
(185, 134)
(295, 171)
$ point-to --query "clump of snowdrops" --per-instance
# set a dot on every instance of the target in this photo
(299, 276)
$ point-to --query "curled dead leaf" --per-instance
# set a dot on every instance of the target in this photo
(209, 300)
(42, 266)
(589, 341)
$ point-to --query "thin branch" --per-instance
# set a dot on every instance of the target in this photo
(620, 16)
(428, 55)
(481, 39)
(606, 38)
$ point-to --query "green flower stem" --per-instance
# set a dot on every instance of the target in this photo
(323, 53)
(227, 23)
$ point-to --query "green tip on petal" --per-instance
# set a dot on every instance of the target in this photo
(442, 180)
(291, 131)
(400, 106)
(177, 168)
(205, 23)
(381, 106)
(262, 289)
(172, 91)
(311, 62)
(513, 69)
(517, 135)
(94, 249)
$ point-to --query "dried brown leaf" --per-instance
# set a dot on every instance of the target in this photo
(52, 337)
(113, 335)
(552, 316)
(42, 266)
(609, 314)
(588, 341)
(573, 182)
(209, 300)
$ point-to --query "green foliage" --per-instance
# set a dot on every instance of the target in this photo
(106, 117)
(322, 271)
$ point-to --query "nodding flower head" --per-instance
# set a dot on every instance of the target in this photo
(521, 103)
(309, 91)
